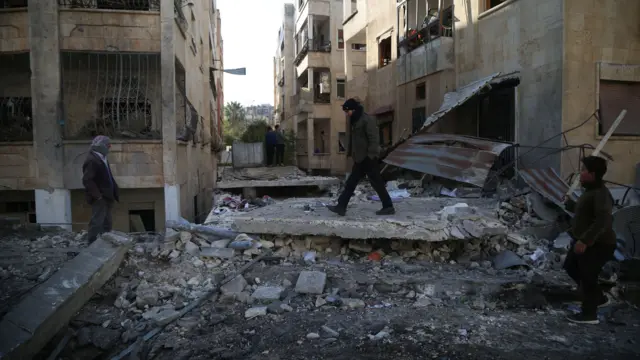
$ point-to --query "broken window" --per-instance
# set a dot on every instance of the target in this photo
(342, 142)
(340, 88)
(16, 119)
(421, 91)
(614, 97)
(359, 47)
(384, 52)
(418, 116)
(385, 126)
(340, 39)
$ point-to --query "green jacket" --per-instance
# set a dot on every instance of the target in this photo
(364, 140)
(593, 219)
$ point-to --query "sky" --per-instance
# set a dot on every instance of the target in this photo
(250, 35)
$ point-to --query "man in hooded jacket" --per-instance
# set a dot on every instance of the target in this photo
(100, 187)
(364, 148)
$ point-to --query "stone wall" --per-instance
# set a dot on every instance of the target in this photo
(17, 161)
(14, 30)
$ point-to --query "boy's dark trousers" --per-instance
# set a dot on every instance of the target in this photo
(584, 270)
(279, 154)
(270, 152)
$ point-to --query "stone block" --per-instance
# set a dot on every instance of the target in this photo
(267, 293)
(311, 282)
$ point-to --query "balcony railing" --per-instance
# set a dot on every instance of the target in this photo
(440, 27)
(139, 5)
(313, 46)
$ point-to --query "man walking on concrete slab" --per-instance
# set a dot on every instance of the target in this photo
(594, 240)
(100, 187)
(270, 143)
(364, 148)
(280, 141)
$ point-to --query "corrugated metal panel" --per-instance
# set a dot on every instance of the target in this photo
(464, 159)
(456, 98)
(247, 154)
(547, 183)
(626, 224)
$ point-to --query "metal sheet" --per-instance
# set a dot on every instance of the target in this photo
(247, 154)
(456, 98)
(626, 224)
(461, 158)
(547, 183)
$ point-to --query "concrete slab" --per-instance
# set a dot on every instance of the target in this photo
(53, 303)
(416, 219)
(310, 181)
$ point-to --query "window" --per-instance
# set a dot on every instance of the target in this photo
(340, 39)
(137, 114)
(614, 97)
(492, 3)
(421, 91)
(418, 116)
(359, 47)
(342, 142)
(384, 52)
(118, 5)
(340, 91)
(13, 4)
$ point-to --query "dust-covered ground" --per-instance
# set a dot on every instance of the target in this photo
(396, 308)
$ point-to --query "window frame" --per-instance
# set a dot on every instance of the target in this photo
(600, 129)
(380, 54)
(343, 82)
(421, 91)
(340, 36)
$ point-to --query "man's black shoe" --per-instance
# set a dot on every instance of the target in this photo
(386, 211)
(581, 318)
(336, 209)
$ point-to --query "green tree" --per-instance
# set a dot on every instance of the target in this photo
(234, 122)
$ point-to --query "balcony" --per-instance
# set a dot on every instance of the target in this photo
(355, 21)
(436, 24)
(313, 40)
(99, 25)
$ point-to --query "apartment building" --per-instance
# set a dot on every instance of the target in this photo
(512, 70)
(284, 71)
(143, 72)
(320, 85)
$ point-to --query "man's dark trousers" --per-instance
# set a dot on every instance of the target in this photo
(270, 152)
(371, 169)
(584, 270)
(280, 154)
(100, 218)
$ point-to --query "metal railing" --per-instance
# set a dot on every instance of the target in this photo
(313, 46)
(113, 94)
(137, 5)
(441, 27)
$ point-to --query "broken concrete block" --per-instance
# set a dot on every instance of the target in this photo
(235, 286)
(214, 252)
(117, 238)
(185, 236)
(267, 293)
(221, 244)
(255, 311)
(517, 239)
(191, 248)
(311, 282)
(353, 303)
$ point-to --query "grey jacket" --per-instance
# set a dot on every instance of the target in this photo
(364, 140)
(280, 137)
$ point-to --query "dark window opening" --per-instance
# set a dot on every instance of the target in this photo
(133, 115)
(384, 52)
(421, 91)
(418, 116)
(341, 89)
(10, 4)
(146, 217)
(492, 3)
(386, 132)
(16, 119)
(340, 39)
(360, 47)
(614, 97)
(342, 142)
(18, 207)
(123, 5)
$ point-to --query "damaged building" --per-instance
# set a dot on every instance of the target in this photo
(144, 73)
(513, 71)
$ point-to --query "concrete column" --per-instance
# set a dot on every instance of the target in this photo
(348, 61)
(53, 201)
(310, 140)
(169, 134)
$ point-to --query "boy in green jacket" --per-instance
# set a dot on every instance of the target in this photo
(594, 239)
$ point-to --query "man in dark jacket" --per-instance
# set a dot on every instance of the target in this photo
(364, 148)
(100, 186)
(270, 141)
(280, 141)
(594, 239)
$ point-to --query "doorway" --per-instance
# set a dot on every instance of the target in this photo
(142, 219)
(497, 121)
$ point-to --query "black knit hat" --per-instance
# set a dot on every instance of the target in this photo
(596, 165)
(350, 104)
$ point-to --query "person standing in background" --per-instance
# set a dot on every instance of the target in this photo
(270, 139)
(100, 187)
(280, 145)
